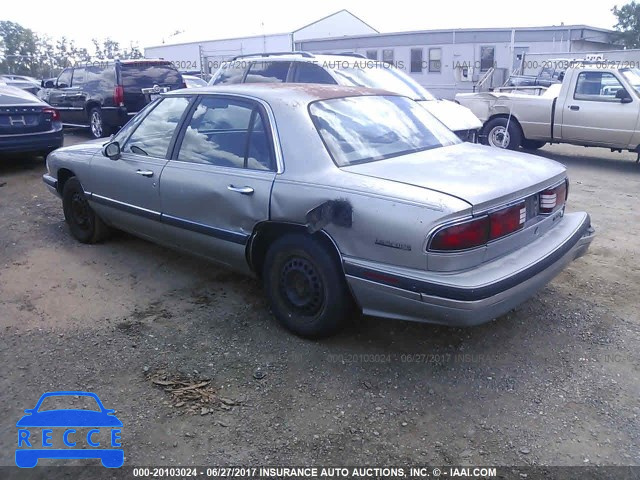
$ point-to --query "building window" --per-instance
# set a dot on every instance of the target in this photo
(372, 54)
(416, 60)
(387, 55)
(435, 59)
(487, 58)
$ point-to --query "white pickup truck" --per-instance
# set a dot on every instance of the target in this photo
(596, 105)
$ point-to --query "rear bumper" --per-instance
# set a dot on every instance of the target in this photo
(33, 142)
(474, 296)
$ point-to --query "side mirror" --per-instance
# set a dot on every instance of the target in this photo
(111, 150)
(48, 84)
(623, 96)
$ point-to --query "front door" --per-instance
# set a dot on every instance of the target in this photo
(126, 191)
(217, 185)
(58, 97)
(592, 113)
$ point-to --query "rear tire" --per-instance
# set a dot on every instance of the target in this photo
(97, 125)
(85, 225)
(496, 133)
(532, 144)
(306, 287)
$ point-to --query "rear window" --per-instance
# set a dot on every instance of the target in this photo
(380, 75)
(143, 74)
(369, 128)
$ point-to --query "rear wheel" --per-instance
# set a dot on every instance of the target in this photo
(306, 287)
(85, 225)
(502, 133)
(532, 144)
(96, 122)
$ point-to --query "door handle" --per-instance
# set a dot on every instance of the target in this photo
(242, 190)
(574, 107)
(145, 173)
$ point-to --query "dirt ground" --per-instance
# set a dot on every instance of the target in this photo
(555, 382)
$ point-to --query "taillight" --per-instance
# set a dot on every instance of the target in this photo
(506, 221)
(553, 197)
(462, 236)
(118, 95)
(55, 115)
(480, 231)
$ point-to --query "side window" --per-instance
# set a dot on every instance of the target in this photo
(487, 58)
(64, 79)
(307, 72)
(78, 77)
(232, 72)
(416, 60)
(597, 87)
(153, 135)
(268, 72)
(227, 133)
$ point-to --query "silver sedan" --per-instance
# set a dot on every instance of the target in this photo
(340, 199)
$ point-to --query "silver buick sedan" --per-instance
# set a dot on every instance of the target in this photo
(339, 199)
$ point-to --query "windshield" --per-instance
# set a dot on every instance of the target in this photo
(370, 128)
(378, 75)
(632, 75)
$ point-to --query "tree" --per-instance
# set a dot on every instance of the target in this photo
(19, 48)
(628, 25)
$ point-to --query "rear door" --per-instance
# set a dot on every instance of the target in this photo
(143, 81)
(593, 115)
(58, 96)
(126, 191)
(217, 186)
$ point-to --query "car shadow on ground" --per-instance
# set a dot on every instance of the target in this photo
(620, 164)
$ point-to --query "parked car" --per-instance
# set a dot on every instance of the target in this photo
(27, 124)
(337, 197)
(105, 95)
(191, 81)
(349, 70)
(594, 107)
(23, 82)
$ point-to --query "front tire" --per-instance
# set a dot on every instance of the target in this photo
(502, 133)
(85, 225)
(306, 287)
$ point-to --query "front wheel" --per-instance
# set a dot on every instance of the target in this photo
(502, 133)
(306, 287)
(85, 225)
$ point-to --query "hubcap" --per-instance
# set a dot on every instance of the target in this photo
(80, 211)
(499, 137)
(301, 286)
(96, 124)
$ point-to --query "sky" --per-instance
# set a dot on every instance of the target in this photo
(145, 23)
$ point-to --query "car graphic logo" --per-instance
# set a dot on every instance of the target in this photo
(156, 89)
(17, 120)
(32, 447)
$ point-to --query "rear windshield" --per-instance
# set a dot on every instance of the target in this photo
(379, 75)
(369, 128)
(145, 74)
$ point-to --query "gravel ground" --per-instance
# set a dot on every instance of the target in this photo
(555, 382)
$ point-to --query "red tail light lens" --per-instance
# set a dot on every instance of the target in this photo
(118, 95)
(508, 220)
(55, 115)
(553, 197)
(466, 235)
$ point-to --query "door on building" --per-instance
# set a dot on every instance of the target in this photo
(518, 57)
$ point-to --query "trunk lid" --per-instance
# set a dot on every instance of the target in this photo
(482, 176)
(21, 112)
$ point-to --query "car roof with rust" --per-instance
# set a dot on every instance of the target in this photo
(289, 92)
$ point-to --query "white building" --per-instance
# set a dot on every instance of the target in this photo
(206, 55)
(451, 61)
